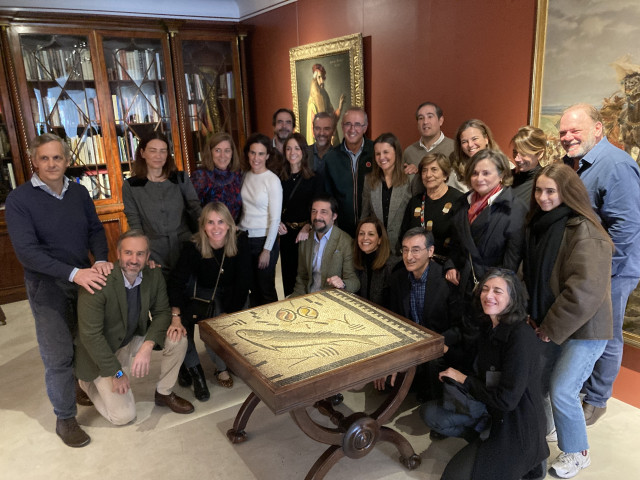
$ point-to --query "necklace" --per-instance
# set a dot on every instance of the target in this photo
(220, 264)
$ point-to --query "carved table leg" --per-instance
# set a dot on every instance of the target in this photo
(408, 456)
(326, 461)
(237, 433)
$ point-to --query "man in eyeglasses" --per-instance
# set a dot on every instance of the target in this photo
(346, 166)
(420, 293)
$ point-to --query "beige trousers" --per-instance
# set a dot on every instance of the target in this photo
(121, 409)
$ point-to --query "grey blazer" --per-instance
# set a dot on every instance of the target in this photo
(372, 205)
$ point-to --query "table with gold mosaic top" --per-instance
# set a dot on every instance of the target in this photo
(301, 351)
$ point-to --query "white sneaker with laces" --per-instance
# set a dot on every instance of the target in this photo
(567, 465)
(552, 436)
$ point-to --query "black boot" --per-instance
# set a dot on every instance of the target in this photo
(199, 383)
(184, 377)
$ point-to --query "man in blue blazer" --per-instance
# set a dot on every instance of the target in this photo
(119, 326)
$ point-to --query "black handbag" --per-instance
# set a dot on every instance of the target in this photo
(202, 304)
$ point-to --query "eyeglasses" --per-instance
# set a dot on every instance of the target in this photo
(413, 250)
(357, 126)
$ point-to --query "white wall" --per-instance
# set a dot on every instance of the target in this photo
(221, 10)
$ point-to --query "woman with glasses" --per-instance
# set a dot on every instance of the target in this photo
(220, 178)
(433, 209)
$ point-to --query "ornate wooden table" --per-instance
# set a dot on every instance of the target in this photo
(300, 352)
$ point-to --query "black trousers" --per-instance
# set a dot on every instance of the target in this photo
(289, 260)
(263, 284)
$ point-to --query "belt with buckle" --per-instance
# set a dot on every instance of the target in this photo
(295, 225)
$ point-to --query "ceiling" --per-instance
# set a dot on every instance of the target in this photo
(220, 10)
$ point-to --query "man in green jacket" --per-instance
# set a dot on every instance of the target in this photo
(346, 166)
(119, 326)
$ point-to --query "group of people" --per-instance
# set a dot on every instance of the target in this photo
(434, 233)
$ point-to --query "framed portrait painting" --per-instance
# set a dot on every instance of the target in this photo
(327, 77)
(587, 52)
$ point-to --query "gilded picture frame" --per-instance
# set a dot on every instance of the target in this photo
(583, 53)
(322, 74)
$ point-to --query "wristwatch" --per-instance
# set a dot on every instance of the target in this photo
(119, 374)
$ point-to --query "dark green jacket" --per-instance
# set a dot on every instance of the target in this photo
(345, 186)
(102, 321)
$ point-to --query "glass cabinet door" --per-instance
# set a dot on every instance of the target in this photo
(139, 96)
(62, 94)
(210, 92)
(7, 168)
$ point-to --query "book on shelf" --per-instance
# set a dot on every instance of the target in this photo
(9, 174)
(89, 150)
(136, 65)
(96, 182)
(52, 64)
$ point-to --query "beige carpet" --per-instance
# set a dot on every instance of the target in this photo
(163, 445)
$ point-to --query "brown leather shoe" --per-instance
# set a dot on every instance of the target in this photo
(71, 433)
(174, 402)
(81, 397)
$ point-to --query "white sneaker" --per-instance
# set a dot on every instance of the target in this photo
(552, 436)
(568, 465)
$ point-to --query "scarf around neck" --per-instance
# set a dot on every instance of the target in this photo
(546, 230)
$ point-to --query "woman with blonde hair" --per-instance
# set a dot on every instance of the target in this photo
(387, 189)
(529, 154)
(220, 178)
(472, 136)
(211, 277)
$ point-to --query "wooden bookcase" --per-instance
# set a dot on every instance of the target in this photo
(102, 84)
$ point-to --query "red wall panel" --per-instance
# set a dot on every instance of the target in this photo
(473, 58)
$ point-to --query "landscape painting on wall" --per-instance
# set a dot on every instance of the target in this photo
(587, 51)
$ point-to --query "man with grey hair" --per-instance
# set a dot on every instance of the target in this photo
(118, 328)
(612, 179)
(53, 227)
(323, 130)
(346, 166)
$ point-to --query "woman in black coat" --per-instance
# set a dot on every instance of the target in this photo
(488, 230)
(508, 382)
(299, 186)
(215, 265)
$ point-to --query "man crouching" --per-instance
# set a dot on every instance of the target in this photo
(118, 327)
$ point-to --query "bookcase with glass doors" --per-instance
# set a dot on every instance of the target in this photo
(104, 83)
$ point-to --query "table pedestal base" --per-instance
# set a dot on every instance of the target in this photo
(354, 436)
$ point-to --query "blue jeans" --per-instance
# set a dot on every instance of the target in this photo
(599, 386)
(447, 418)
(573, 367)
(53, 304)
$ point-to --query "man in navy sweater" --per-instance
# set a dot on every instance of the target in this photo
(53, 226)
